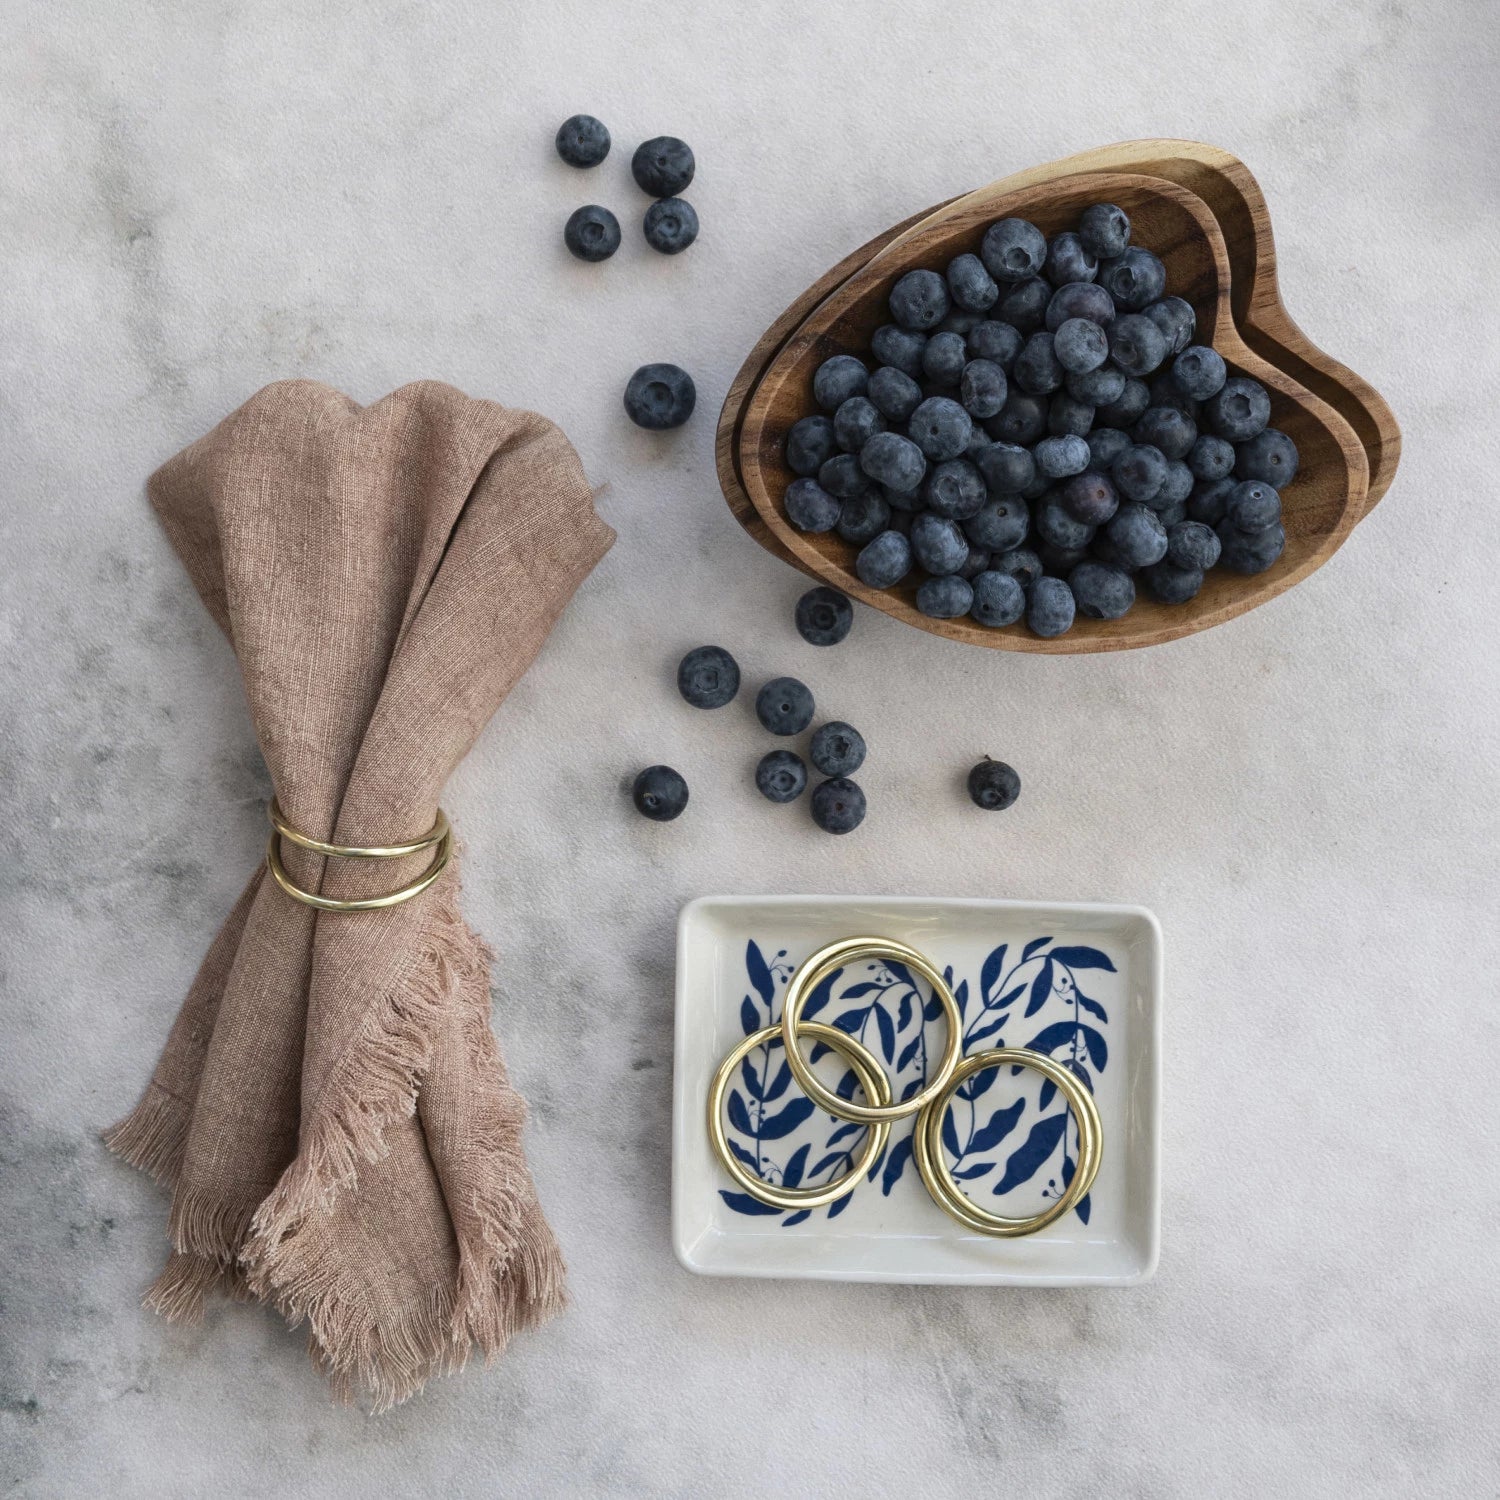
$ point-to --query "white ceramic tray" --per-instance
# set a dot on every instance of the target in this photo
(1081, 982)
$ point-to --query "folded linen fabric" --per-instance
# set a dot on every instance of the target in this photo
(331, 1110)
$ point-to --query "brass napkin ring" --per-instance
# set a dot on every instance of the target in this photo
(439, 835)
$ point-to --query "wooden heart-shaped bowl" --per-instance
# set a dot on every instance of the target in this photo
(1321, 505)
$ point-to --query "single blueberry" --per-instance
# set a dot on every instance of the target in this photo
(1270, 456)
(1170, 515)
(885, 561)
(944, 358)
(1240, 410)
(1101, 591)
(1058, 457)
(945, 598)
(975, 563)
(1166, 428)
(1208, 500)
(1080, 345)
(1021, 563)
(809, 507)
(837, 379)
(1171, 584)
(1037, 369)
(937, 544)
(1038, 487)
(843, 477)
(982, 389)
(1050, 607)
(1139, 472)
(1088, 497)
(838, 806)
(1023, 419)
(836, 748)
(784, 706)
(1106, 444)
(660, 396)
(1068, 259)
(1248, 552)
(1252, 505)
(999, 525)
(582, 141)
(940, 427)
(1136, 537)
(1104, 230)
(810, 444)
(671, 225)
(955, 488)
(999, 598)
(995, 341)
(864, 517)
(592, 233)
(1165, 392)
(1024, 306)
(1080, 299)
(900, 348)
(1068, 417)
(970, 285)
(919, 300)
(1176, 320)
(1098, 387)
(1135, 278)
(1007, 467)
(1013, 250)
(1211, 457)
(1191, 544)
(1126, 411)
(1199, 372)
(1175, 488)
(856, 422)
(824, 616)
(659, 793)
(1055, 526)
(993, 785)
(896, 461)
(1058, 562)
(780, 776)
(1136, 344)
(662, 166)
(894, 393)
(708, 677)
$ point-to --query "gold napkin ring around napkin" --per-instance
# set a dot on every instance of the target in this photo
(872, 1079)
(927, 1143)
(439, 835)
(805, 980)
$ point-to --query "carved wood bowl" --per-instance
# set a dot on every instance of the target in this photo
(1197, 208)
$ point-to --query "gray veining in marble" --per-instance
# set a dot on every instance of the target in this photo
(202, 197)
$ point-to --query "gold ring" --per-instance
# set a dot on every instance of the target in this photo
(872, 1079)
(804, 981)
(441, 835)
(927, 1144)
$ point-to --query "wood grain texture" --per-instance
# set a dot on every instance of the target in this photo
(1346, 432)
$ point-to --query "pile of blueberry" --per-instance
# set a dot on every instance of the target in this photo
(1040, 432)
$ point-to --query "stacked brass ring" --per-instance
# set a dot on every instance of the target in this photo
(879, 1112)
(439, 838)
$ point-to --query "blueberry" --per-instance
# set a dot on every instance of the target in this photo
(662, 166)
(780, 776)
(1098, 387)
(895, 461)
(856, 422)
(1000, 525)
(838, 806)
(995, 341)
(660, 396)
(940, 427)
(970, 285)
(919, 300)
(1135, 278)
(1049, 607)
(1165, 392)
(1171, 584)
(1068, 259)
(1024, 306)
(582, 141)
(1175, 488)
(1079, 345)
(1088, 497)
(1126, 411)
(1136, 344)
(1270, 456)
(1199, 372)
(1104, 230)
(671, 225)
(809, 507)
(1067, 417)
(1020, 563)
(1101, 591)
(592, 233)
(810, 444)
(1176, 320)
(824, 616)
(1106, 444)
(1191, 544)
(944, 358)
(893, 393)
(1250, 551)
(993, 785)
(1037, 369)
(1056, 526)
(1172, 514)
(999, 598)
(863, 517)
(1166, 428)
(1208, 500)
(837, 749)
(977, 562)
(1057, 561)
(839, 378)
(937, 544)
(1139, 472)
(659, 793)
(899, 348)
(1057, 457)
(884, 561)
(1252, 505)
(708, 677)
(784, 706)
(1080, 299)
(1211, 457)
(904, 505)
(1023, 419)
(1013, 250)
(955, 489)
(1240, 410)
(843, 477)
(1038, 487)
(945, 598)
(982, 388)
(1136, 537)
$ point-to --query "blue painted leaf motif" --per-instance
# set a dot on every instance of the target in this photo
(751, 1077)
(847, 1084)
(739, 1116)
(901, 974)
(1041, 988)
(778, 1084)
(786, 1120)
(1035, 945)
(988, 1029)
(895, 1164)
(821, 995)
(1092, 1006)
(1049, 1092)
(1008, 997)
(903, 1015)
(1083, 1208)
(908, 1052)
(989, 973)
(748, 1157)
(848, 1128)
(1053, 1036)
(1000, 1125)
(978, 1169)
(791, 1174)
(1080, 1072)
(852, 1020)
(887, 1032)
(837, 1208)
(980, 1083)
(796, 1218)
(749, 1021)
(759, 972)
(910, 1087)
(743, 1203)
(1022, 1164)
(1083, 958)
(859, 991)
(961, 994)
(820, 1049)
(1098, 1051)
(950, 1135)
(832, 1159)
(932, 1008)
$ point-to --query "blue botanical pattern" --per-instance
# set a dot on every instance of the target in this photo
(779, 1135)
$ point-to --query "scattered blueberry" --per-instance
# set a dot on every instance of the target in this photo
(708, 677)
(955, 489)
(995, 341)
(1069, 259)
(1199, 372)
(1101, 590)
(884, 561)
(1088, 497)
(659, 793)
(843, 477)
(1135, 278)
(1191, 544)
(1136, 537)
(662, 166)
(1211, 457)
(660, 396)
(944, 358)
(1176, 320)
(824, 616)
(998, 598)
(1000, 525)
(582, 141)
(1104, 230)
(1270, 456)
(970, 285)
(592, 233)
(780, 776)
(671, 225)
(1166, 429)
(864, 516)
(1023, 419)
(1139, 472)
(1037, 369)
(945, 598)
(1055, 525)
(810, 444)
(1013, 250)
(784, 706)
(1136, 344)
(919, 300)
(993, 785)
(837, 749)
(1240, 410)
(856, 422)
(1058, 457)
(838, 806)
(900, 348)
(937, 544)
(1024, 306)
(837, 379)
(896, 461)
(1252, 505)
(809, 507)
(1080, 346)
(1080, 299)
(940, 427)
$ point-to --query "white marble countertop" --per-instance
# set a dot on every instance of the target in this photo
(201, 198)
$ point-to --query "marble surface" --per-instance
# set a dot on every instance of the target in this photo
(202, 197)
